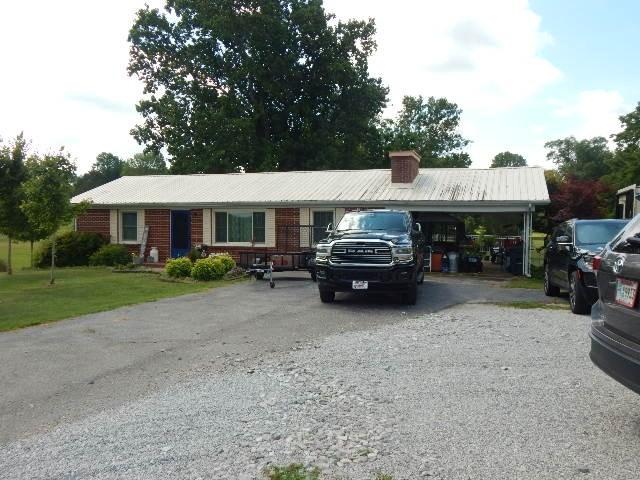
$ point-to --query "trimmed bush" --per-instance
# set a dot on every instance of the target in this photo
(111, 255)
(226, 260)
(206, 269)
(178, 267)
(73, 249)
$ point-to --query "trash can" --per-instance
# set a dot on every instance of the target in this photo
(453, 262)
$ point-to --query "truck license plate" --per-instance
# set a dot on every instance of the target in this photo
(360, 285)
(626, 292)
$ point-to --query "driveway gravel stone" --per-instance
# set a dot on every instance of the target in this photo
(475, 391)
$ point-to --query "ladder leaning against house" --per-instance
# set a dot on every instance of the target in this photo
(143, 243)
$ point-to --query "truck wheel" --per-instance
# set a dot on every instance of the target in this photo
(420, 275)
(327, 296)
(549, 290)
(411, 295)
(577, 295)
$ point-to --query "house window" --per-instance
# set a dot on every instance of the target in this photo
(321, 220)
(240, 227)
(129, 226)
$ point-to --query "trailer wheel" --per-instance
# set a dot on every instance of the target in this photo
(259, 276)
(272, 284)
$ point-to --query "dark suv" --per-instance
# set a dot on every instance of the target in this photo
(568, 260)
(371, 250)
(615, 327)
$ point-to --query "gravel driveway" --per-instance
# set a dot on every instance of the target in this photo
(475, 391)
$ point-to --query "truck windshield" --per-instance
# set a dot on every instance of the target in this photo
(597, 233)
(367, 221)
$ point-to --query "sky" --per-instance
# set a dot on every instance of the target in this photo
(523, 72)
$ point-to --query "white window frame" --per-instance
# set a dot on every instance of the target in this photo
(121, 219)
(238, 244)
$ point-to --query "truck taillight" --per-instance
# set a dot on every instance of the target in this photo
(597, 260)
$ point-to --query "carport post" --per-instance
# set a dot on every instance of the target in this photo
(527, 226)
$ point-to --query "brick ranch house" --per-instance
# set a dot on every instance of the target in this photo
(289, 211)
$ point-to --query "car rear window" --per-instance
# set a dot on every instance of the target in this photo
(621, 243)
(597, 233)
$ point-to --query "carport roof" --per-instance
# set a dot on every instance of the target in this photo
(432, 187)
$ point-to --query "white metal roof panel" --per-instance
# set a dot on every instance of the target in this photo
(346, 187)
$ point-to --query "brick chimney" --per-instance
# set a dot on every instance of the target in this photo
(404, 166)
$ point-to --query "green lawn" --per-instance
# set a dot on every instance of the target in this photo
(27, 299)
(524, 282)
(21, 257)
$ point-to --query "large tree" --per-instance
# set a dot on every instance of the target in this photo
(47, 195)
(255, 85)
(625, 163)
(13, 223)
(147, 163)
(508, 159)
(431, 128)
(106, 168)
(583, 159)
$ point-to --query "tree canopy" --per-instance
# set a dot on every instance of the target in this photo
(431, 128)
(508, 159)
(586, 159)
(625, 163)
(106, 168)
(147, 163)
(255, 85)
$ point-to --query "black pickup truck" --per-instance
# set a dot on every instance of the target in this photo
(371, 250)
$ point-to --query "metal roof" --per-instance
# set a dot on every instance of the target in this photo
(432, 186)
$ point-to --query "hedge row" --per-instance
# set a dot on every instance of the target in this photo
(204, 269)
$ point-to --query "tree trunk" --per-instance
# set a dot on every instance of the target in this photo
(31, 257)
(53, 259)
(9, 269)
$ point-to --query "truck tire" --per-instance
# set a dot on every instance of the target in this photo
(411, 295)
(577, 295)
(327, 296)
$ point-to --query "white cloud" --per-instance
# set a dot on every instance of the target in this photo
(64, 78)
(483, 55)
(594, 113)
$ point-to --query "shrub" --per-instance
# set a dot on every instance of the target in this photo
(72, 249)
(178, 267)
(206, 269)
(295, 471)
(111, 255)
(3, 266)
(226, 260)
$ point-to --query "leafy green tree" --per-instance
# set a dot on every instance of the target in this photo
(47, 195)
(13, 223)
(508, 159)
(582, 159)
(431, 128)
(625, 163)
(106, 168)
(254, 85)
(147, 163)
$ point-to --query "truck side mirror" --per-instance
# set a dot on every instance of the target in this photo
(330, 228)
(563, 240)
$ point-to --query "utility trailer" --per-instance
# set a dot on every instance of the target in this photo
(294, 252)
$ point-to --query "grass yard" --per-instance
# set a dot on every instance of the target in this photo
(27, 299)
(531, 304)
(524, 282)
(21, 256)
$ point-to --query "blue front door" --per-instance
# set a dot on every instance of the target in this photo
(180, 233)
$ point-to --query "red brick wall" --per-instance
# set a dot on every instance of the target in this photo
(287, 239)
(196, 227)
(94, 221)
(159, 221)
(404, 169)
